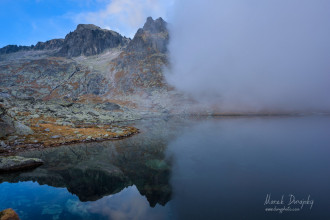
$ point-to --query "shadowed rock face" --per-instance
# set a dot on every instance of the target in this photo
(14, 48)
(49, 45)
(89, 40)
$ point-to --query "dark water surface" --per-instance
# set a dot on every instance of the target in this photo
(209, 168)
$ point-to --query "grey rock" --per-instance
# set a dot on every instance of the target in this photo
(55, 136)
(16, 163)
(109, 106)
(153, 37)
(12, 138)
(47, 130)
(14, 48)
(92, 114)
(89, 39)
(49, 45)
(22, 129)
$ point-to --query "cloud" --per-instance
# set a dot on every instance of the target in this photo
(125, 16)
(252, 55)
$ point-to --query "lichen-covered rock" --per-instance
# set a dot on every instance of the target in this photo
(16, 163)
(9, 126)
(22, 129)
(6, 123)
(8, 214)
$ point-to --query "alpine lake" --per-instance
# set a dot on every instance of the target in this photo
(183, 168)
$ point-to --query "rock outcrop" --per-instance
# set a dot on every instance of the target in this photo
(152, 38)
(8, 125)
(89, 39)
(14, 48)
(49, 45)
(16, 163)
(140, 66)
(8, 214)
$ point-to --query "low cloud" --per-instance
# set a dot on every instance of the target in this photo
(252, 55)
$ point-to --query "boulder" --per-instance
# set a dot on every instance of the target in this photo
(22, 129)
(9, 126)
(8, 214)
(16, 163)
(110, 106)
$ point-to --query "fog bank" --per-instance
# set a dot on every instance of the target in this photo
(252, 55)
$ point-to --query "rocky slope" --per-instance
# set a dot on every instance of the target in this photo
(92, 77)
(102, 63)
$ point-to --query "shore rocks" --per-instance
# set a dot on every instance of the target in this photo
(8, 125)
(16, 163)
(8, 214)
(22, 129)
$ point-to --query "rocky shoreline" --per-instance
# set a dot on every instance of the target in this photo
(30, 124)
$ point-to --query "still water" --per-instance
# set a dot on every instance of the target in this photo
(206, 168)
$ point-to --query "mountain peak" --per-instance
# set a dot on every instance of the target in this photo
(87, 26)
(89, 39)
(155, 26)
(152, 38)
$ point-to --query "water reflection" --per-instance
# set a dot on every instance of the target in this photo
(209, 168)
(92, 171)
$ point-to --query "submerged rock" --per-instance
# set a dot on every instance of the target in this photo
(8, 214)
(157, 164)
(16, 163)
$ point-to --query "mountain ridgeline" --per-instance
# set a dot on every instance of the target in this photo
(88, 61)
(89, 39)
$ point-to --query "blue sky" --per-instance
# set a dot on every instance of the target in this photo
(25, 22)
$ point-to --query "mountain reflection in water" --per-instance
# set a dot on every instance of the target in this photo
(201, 168)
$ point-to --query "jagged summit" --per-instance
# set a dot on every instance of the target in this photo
(49, 45)
(89, 39)
(153, 37)
(155, 26)
(87, 26)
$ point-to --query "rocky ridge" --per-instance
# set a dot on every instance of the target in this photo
(93, 77)
(86, 40)
(89, 40)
